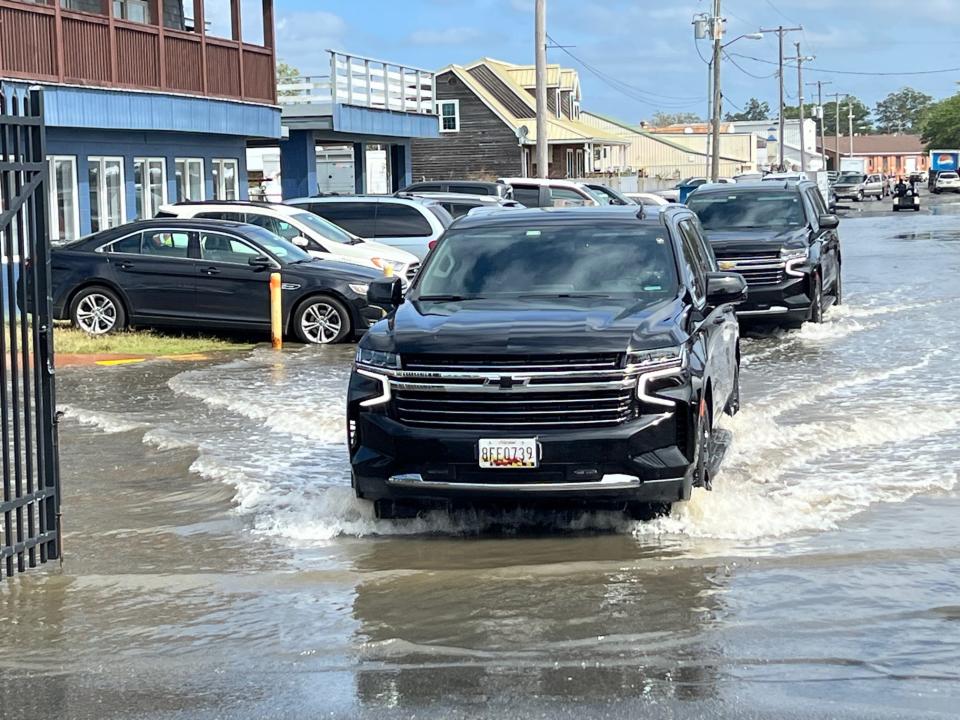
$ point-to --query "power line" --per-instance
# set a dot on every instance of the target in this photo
(745, 71)
(810, 68)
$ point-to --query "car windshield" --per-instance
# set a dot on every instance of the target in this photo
(283, 250)
(599, 195)
(550, 261)
(720, 210)
(850, 178)
(324, 228)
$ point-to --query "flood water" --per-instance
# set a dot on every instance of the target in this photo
(217, 565)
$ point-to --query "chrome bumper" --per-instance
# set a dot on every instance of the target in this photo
(606, 483)
(774, 310)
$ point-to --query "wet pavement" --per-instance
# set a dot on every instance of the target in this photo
(217, 565)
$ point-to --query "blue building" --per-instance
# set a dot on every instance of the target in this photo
(146, 102)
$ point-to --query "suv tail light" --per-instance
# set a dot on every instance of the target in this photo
(431, 245)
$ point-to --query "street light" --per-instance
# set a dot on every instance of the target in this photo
(713, 102)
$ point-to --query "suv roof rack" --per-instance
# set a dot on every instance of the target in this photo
(245, 203)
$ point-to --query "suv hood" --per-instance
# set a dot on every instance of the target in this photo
(526, 326)
(756, 239)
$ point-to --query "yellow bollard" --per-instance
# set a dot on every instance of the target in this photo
(276, 312)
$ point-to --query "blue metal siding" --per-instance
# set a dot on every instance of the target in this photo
(98, 108)
(83, 144)
(384, 123)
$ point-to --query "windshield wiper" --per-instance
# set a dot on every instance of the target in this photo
(356, 241)
(449, 298)
(567, 295)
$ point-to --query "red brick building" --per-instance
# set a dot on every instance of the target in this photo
(890, 154)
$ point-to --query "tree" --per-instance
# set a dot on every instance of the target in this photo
(662, 119)
(286, 74)
(754, 110)
(902, 111)
(941, 124)
(861, 116)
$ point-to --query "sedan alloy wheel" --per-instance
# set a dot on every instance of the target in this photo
(322, 321)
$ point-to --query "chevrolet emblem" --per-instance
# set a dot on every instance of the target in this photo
(726, 264)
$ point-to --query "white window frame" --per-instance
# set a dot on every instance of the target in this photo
(456, 115)
(57, 232)
(219, 192)
(556, 102)
(571, 163)
(145, 196)
(102, 213)
(187, 161)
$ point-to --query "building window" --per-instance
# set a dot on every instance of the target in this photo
(64, 209)
(449, 112)
(150, 182)
(107, 202)
(190, 179)
(225, 182)
(570, 166)
(133, 10)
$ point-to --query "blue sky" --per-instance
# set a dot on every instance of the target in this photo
(646, 44)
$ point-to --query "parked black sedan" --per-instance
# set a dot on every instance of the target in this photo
(206, 273)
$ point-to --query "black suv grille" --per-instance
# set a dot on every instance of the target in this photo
(513, 392)
(758, 268)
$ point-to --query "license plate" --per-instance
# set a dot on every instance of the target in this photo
(513, 453)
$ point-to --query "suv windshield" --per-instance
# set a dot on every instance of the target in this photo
(283, 250)
(850, 178)
(757, 209)
(551, 261)
(324, 228)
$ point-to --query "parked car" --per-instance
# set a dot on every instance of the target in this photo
(210, 274)
(465, 187)
(317, 236)
(608, 196)
(577, 356)
(782, 239)
(947, 182)
(459, 205)
(648, 200)
(857, 186)
(673, 194)
(403, 223)
(538, 192)
(748, 176)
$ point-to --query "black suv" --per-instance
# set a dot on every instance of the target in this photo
(782, 239)
(464, 187)
(573, 356)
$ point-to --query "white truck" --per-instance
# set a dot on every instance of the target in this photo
(853, 164)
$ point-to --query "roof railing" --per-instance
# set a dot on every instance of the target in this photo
(364, 82)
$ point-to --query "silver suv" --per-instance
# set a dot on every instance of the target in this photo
(857, 186)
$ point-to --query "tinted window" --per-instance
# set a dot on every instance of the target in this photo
(224, 248)
(704, 257)
(424, 187)
(817, 200)
(748, 209)
(528, 196)
(693, 265)
(459, 209)
(471, 189)
(441, 214)
(130, 245)
(552, 261)
(355, 217)
(232, 216)
(395, 220)
(274, 225)
(166, 243)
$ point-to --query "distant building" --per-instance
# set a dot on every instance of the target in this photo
(767, 130)
(488, 126)
(890, 154)
(143, 106)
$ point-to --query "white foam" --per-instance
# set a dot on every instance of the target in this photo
(107, 422)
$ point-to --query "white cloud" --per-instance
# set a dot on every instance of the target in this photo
(303, 38)
(447, 36)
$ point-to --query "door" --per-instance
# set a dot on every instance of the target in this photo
(719, 328)
(829, 241)
(157, 271)
(228, 289)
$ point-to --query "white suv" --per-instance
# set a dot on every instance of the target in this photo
(947, 181)
(317, 236)
(540, 192)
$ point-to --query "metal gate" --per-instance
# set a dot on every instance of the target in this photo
(31, 486)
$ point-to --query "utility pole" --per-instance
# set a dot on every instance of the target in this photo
(850, 122)
(541, 80)
(780, 30)
(823, 120)
(717, 30)
(800, 60)
(836, 129)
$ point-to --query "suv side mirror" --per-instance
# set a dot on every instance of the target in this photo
(828, 221)
(260, 262)
(386, 292)
(300, 241)
(724, 288)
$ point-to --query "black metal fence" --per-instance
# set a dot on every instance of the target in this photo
(30, 507)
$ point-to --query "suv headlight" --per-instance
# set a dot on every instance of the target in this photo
(654, 365)
(383, 264)
(793, 257)
(377, 358)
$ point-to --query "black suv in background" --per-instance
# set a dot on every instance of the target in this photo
(464, 187)
(782, 239)
(574, 356)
